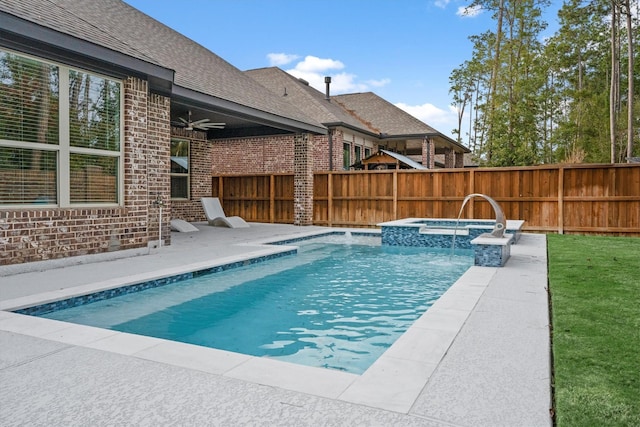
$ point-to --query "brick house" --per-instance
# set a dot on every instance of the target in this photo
(106, 118)
(359, 125)
(109, 119)
(402, 133)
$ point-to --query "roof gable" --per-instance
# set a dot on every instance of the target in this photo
(311, 101)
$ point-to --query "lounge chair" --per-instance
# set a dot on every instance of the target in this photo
(182, 226)
(215, 214)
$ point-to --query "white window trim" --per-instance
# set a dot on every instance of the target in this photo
(64, 147)
(188, 174)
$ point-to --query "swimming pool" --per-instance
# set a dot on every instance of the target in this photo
(339, 303)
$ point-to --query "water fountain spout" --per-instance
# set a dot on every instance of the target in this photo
(501, 222)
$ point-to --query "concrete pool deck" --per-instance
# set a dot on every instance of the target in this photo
(480, 356)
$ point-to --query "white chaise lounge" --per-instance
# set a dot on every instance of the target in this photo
(182, 226)
(216, 216)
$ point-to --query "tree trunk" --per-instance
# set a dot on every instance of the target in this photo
(630, 85)
(613, 89)
(494, 81)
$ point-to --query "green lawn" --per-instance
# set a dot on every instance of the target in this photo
(595, 301)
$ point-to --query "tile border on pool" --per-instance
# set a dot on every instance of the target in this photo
(76, 301)
(55, 301)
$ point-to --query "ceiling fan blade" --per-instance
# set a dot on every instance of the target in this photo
(199, 122)
(183, 120)
(205, 126)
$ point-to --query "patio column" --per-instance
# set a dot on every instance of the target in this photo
(449, 158)
(459, 160)
(146, 168)
(303, 180)
(428, 153)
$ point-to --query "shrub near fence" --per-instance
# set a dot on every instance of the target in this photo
(599, 199)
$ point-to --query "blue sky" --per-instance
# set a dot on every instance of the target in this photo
(403, 50)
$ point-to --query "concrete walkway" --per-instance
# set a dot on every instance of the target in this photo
(478, 357)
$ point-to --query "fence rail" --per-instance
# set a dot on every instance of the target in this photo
(601, 199)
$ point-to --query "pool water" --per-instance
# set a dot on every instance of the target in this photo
(333, 305)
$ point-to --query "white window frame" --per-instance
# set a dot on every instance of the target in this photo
(64, 148)
(188, 174)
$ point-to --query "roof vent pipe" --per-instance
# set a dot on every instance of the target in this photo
(327, 81)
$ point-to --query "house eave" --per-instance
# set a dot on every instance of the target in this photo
(353, 128)
(189, 96)
(438, 135)
(28, 37)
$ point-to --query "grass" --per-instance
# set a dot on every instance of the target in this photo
(594, 284)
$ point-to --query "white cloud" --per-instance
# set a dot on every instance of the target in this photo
(378, 83)
(442, 3)
(313, 64)
(277, 59)
(345, 83)
(469, 11)
(431, 115)
(314, 70)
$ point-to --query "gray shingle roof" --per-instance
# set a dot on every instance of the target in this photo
(391, 120)
(116, 25)
(309, 100)
(383, 115)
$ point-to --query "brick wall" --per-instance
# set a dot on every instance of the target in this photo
(200, 175)
(36, 234)
(272, 154)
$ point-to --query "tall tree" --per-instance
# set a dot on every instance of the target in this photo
(614, 88)
(561, 98)
(626, 5)
(461, 88)
(509, 110)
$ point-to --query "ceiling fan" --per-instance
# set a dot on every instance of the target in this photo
(202, 124)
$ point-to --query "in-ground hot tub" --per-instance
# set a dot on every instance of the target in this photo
(468, 234)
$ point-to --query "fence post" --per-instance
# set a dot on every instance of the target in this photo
(330, 198)
(395, 194)
(472, 190)
(561, 200)
(272, 198)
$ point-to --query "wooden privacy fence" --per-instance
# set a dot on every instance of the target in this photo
(601, 199)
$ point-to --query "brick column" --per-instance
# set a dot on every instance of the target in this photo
(428, 153)
(459, 160)
(303, 180)
(338, 139)
(158, 165)
(136, 176)
(146, 164)
(449, 158)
